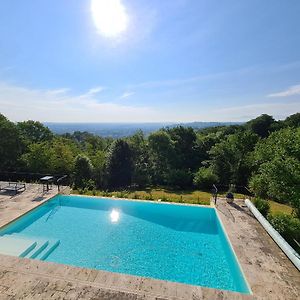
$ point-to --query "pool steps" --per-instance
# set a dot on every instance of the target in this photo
(23, 246)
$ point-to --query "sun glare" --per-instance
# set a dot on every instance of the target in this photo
(110, 17)
(114, 216)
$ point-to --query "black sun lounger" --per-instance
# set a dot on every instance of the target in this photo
(14, 187)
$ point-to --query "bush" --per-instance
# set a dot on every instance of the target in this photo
(288, 227)
(180, 178)
(205, 178)
(263, 206)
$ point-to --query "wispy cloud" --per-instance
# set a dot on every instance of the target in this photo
(94, 90)
(291, 91)
(22, 103)
(126, 95)
(58, 91)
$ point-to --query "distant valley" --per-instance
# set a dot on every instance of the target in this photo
(117, 130)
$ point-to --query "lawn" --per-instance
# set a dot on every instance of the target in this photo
(276, 208)
(155, 194)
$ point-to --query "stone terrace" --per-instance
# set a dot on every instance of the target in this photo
(269, 273)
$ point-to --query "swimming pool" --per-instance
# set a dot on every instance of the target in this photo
(178, 243)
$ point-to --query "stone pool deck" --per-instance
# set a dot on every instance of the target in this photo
(269, 273)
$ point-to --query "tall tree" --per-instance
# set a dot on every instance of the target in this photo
(83, 171)
(161, 150)
(261, 125)
(119, 164)
(140, 159)
(184, 143)
(277, 163)
(292, 120)
(10, 145)
(34, 132)
(230, 159)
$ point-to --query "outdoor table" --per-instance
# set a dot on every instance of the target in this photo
(46, 180)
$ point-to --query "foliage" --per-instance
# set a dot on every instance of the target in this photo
(292, 121)
(155, 194)
(277, 164)
(83, 171)
(261, 125)
(263, 206)
(119, 164)
(288, 227)
(230, 158)
(140, 158)
(180, 178)
(161, 150)
(10, 146)
(204, 178)
(34, 132)
(262, 153)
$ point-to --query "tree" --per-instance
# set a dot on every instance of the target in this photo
(140, 159)
(38, 158)
(261, 125)
(162, 154)
(11, 145)
(83, 171)
(277, 164)
(119, 164)
(63, 153)
(292, 120)
(98, 160)
(34, 132)
(230, 159)
(54, 157)
(204, 178)
(184, 143)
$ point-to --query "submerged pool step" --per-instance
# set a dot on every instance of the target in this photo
(23, 246)
(15, 246)
(52, 245)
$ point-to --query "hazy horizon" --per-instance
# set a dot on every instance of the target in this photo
(139, 61)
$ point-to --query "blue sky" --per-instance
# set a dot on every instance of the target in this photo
(175, 60)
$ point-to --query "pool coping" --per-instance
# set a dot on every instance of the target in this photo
(158, 288)
(233, 252)
(28, 211)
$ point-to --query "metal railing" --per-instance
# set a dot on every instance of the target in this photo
(60, 182)
(215, 193)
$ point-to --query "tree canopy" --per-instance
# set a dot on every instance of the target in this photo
(262, 154)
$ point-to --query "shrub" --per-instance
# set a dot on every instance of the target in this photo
(136, 196)
(149, 197)
(164, 199)
(205, 178)
(263, 206)
(288, 227)
(180, 178)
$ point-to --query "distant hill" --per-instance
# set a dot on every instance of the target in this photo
(117, 130)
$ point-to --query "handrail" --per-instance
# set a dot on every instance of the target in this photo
(215, 193)
(59, 180)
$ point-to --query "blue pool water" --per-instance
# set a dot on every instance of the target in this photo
(164, 241)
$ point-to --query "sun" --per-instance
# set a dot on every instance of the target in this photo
(110, 17)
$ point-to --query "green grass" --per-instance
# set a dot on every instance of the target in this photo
(276, 208)
(155, 194)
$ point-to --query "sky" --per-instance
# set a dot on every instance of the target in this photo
(149, 61)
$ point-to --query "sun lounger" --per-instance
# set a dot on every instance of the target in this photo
(14, 187)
